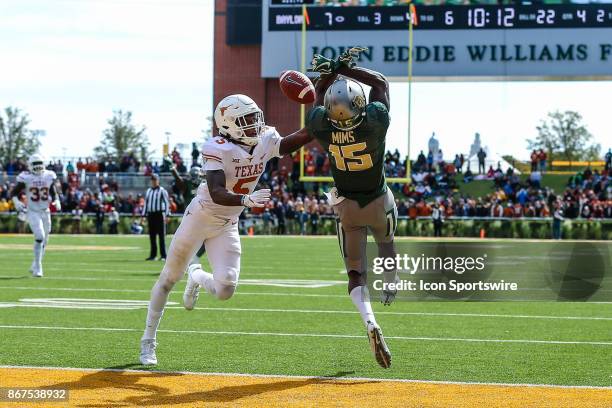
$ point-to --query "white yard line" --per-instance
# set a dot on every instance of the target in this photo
(343, 336)
(281, 376)
(235, 309)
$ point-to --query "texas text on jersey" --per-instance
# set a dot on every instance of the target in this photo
(38, 188)
(242, 165)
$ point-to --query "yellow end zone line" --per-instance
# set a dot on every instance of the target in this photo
(134, 388)
(306, 377)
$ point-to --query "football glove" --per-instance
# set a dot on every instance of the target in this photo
(258, 198)
(388, 296)
(323, 65)
(58, 205)
(348, 57)
(168, 160)
(19, 206)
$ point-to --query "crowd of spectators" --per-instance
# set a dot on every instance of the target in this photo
(128, 163)
(298, 207)
(588, 195)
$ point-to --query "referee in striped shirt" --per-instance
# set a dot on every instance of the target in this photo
(156, 209)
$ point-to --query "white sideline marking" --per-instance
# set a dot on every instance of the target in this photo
(310, 310)
(286, 283)
(342, 336)
(305, 377)
(78, 303)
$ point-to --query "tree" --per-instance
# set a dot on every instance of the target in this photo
(16, 140)
(563, 135)
(207, 132)
(121, 138)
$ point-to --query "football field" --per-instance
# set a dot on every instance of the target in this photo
(290, 335)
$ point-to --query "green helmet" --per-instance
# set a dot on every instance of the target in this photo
(345, 104)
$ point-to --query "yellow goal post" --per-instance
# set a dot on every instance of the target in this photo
(327, 179)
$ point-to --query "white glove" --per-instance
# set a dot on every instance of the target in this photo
(258, 198)
(58, 205)
(19, 206)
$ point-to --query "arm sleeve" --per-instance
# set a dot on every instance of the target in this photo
(274, 141)
(314, 118)
(378, 112)
(211, 153)
(213, 165)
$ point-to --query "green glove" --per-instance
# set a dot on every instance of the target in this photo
(323, 65)
(347, 57)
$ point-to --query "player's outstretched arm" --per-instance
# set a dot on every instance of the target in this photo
(19, 187)
(294, 141)
(220, 195)
(55, 197)
(180, 182)
(376, 80)
(218, 192)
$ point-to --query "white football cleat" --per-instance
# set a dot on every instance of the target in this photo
(37, 271)
(147, 352)
(192, 290)
(379, 347)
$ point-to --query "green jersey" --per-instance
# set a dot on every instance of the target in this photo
(357, 156)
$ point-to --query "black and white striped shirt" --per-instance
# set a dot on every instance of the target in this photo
(156, 200)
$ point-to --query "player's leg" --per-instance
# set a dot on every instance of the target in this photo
(183, 246)
(36, 225)
(224, 257)
(192, 289)
(353, 234)
(195, 259)
(46, 220)
(381, 216)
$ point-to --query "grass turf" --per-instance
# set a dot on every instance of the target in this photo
(124, 275)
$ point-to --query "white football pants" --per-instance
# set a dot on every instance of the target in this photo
(40, 224)
(222, 241)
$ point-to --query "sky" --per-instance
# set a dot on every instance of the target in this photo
(70, 63)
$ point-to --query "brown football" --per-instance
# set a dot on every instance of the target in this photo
(297, 87)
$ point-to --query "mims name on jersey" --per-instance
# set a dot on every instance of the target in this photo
(343, 137)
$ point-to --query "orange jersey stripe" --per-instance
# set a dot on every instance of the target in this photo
(211, 157)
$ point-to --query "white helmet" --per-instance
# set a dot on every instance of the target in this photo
(36, 164)
(230, 118)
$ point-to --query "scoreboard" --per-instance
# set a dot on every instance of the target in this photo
(444, 17)
(449, 42)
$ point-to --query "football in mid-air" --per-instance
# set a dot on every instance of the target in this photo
(297, 87)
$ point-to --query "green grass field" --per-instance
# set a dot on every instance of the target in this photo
(290, 316)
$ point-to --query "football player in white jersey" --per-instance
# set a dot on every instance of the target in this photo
(40, 190)
(234, 162)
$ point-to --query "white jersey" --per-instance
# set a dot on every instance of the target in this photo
(37, 188)
(242, 169)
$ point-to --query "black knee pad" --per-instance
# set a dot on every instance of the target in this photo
(355, 279)
(39, 241)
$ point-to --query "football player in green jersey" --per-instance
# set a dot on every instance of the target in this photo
(353, 133)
